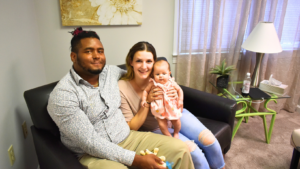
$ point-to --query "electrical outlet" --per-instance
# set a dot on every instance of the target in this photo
(11, 155)
(24, 127)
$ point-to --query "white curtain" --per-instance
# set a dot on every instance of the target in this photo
(210, 31)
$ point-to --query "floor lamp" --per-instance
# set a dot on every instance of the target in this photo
(263, 39)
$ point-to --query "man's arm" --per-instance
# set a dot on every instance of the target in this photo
(64, 109)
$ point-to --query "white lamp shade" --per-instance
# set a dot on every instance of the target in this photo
(263, 39)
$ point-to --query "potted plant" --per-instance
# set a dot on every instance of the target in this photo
(222, 73)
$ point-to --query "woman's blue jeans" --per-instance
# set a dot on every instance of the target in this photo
(204, 157)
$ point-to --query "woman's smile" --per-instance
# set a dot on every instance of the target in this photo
(143, 71)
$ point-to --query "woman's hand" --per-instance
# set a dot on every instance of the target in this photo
(144, 103)
(172, 93)
(180, 105)
(155, 93)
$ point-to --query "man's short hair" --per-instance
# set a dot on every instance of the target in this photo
(79, 34)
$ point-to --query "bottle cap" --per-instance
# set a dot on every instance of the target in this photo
(248, 74)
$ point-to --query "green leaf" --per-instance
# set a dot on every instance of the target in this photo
(221, 69)
(229, 69)
(218, 68)
(214, 72)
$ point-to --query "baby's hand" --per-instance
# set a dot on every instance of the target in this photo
(180, 105)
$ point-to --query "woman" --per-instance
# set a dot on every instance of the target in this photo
(139, 63)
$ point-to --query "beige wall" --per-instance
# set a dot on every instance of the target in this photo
(157, 28)
(35, 51)
(22, 68)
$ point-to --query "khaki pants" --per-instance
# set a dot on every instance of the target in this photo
(174, 150)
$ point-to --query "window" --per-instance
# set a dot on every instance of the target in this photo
(290, 26)
(203, 21)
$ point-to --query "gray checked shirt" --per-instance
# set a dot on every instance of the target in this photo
(89, 118)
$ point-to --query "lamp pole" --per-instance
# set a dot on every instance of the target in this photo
(255, 75)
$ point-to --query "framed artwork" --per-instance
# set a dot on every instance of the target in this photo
(101, 12)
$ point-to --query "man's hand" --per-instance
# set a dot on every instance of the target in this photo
(149, 161)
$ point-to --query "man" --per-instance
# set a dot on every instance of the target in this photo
(85, 107)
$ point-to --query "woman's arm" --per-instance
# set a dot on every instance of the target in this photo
(145, 94)
(138, 120)
(134, 121)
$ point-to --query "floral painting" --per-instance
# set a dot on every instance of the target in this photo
(101, 12)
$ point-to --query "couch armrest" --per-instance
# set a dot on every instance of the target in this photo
(51, 152)
(209, 106)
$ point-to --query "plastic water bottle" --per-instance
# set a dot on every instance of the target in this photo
(246, 85)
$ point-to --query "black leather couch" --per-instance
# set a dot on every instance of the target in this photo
(215, 112)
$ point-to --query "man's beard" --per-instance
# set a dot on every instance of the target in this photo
(95, 72)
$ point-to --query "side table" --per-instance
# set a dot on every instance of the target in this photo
(246, 102)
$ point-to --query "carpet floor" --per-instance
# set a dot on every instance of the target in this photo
(249, 149)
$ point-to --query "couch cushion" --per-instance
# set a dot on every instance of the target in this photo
(221, 130)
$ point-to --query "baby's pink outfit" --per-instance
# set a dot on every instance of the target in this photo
(165, 108)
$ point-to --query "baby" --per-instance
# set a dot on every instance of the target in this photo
(166, 108)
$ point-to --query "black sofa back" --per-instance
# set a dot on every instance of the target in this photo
(37, 101)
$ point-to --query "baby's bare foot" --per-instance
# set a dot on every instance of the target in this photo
(168, 134)
(176, 135)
